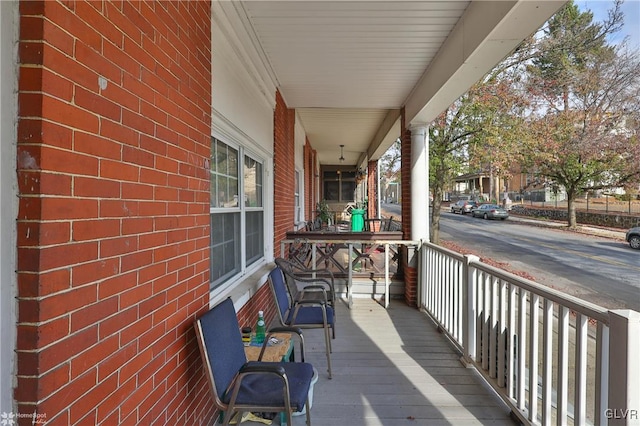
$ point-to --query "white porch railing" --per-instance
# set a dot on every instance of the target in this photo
(553, 358)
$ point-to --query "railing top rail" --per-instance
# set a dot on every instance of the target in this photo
(352, 241)
(444, 250)
(575, 304)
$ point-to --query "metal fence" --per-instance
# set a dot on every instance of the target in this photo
(601, 205)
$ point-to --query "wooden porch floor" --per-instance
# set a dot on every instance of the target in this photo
(392, 367)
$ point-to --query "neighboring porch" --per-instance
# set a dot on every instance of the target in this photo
(392, 367)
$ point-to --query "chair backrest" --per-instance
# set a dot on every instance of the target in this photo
(289, 278)
(280, 293)
(221, 346)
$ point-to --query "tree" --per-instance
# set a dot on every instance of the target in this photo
(449, 136)
(390, 165)
(478, 132)
(583, 119)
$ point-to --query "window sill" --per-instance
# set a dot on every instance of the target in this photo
(244, 288)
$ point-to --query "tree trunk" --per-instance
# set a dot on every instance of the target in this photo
(435, 218)
(571, 210)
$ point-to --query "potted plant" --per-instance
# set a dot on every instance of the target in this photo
(324, 212)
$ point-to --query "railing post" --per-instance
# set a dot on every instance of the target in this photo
(469, 309)
(623, 407)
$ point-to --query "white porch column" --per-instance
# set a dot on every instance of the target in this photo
(419, 182)
(9, 23)
(624, 369)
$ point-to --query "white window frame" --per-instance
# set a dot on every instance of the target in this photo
(244, 269)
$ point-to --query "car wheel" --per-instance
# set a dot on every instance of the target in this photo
(502, 218)
(634, 242)
(485, 216)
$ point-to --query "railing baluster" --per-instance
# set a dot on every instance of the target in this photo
(493, 330)
(350, 274)
(522, 347)
(602, 373)
(434, 259)
(456, 301)
(479, 314)
(563, 365)
(443, 294)
(580, 410)
(547, 358)
(314, 249)
(386, 276)
(502, 334)
(511, 347)
(534, 325)
(486, 313)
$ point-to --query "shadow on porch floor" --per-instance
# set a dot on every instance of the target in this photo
(392, 367)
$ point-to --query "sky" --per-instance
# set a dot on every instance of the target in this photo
(631, 9)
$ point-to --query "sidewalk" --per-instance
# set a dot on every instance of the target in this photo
(613, 233)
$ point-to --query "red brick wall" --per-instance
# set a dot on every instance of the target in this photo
(283, 171)
(310, 181)
(372, 189)
(261, 301)
(113, 148)
(410, 274)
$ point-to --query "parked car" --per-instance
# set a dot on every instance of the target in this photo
(633, 237)
(463, 206)
(490, 211)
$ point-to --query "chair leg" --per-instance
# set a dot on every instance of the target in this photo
(308, 412)
(327, 341)
(229, 415)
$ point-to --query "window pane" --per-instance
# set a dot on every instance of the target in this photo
(224, 175)
(348, 190)
(225, 246)
(331, 175)
(332, 191)
(252, 182)
(348, 175)
(255, 236)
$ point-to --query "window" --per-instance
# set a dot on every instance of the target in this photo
(339, 185)
(297, 214)
(237, 228)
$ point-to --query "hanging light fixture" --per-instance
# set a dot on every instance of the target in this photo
(341, 154)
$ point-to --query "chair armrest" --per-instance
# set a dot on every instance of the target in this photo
(320, 302)
(313, 294)
(251, 368)
(295, 269)
(292, 330)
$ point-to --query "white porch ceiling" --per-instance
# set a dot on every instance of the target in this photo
(347, 67)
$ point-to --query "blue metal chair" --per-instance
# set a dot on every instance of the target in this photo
(316, 283)
(238, 386)
(302, 313)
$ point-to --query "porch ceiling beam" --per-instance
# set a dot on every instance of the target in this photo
(487, 32)
(388, 131)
